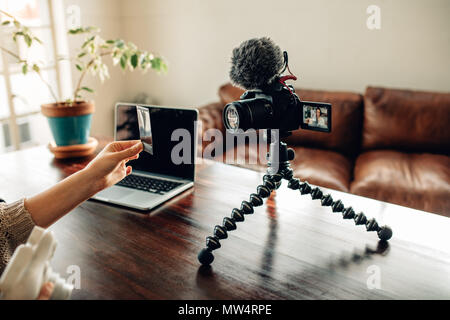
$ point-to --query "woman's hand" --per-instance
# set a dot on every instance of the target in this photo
(109, 166)
(105, 170)
(46, 291)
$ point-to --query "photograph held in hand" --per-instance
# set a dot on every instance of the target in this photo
(145, 128)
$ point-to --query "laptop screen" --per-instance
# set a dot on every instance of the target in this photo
(163, 123)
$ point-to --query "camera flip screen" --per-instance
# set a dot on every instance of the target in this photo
(316, 116)
(145, 128)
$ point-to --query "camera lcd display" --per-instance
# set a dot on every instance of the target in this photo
(316, 116)
(145, 128)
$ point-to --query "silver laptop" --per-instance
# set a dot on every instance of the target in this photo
(157, 176)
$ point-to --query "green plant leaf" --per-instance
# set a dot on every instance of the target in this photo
(87, 89)
(123, 61)
(120, 44)
(6, 23)
(16, 24)
(36, 68)
(164, 67)
(110, 41)
(25, 68)
(28, 40)
(74, 31)
(156, 63)
(82, 30)
(37, 39)
(87, 42)
(80, 68)
(81, 54)
(134, 60)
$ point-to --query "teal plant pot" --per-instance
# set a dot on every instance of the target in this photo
(68, 131)
(70, 125)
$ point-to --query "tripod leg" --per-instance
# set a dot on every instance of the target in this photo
(384, 232)
(271, 182)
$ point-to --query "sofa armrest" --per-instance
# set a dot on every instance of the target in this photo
(211, 116)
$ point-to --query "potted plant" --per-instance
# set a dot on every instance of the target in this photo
(70, 120)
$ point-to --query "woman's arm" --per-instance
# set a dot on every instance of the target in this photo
(108, 168)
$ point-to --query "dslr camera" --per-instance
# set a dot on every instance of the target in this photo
(269, 103)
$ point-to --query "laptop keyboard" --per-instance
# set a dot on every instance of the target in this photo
(148, 184)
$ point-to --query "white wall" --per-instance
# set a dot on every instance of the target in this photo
(105, 14)
(328, 42)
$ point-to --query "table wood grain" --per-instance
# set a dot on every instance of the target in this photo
(290, 248)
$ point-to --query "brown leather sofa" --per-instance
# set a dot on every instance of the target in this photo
(391, 145)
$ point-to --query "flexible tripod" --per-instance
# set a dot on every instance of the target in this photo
(279, 168)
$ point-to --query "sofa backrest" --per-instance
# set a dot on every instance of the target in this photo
(229, 93)
(408, 120)
(347, 116)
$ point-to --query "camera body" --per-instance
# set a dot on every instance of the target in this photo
(276, 106)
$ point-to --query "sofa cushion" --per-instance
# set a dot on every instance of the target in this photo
(323, 168)
(320, 167)
(420, 181)
(347, 116)
(413, 121)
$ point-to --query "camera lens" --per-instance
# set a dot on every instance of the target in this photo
(246, 114)
(232, 118)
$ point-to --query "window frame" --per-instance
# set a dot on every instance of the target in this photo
(59, 38)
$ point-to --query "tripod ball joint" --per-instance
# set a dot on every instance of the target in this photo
(304, 188)
(384, 233)
(270, 185)
(229, 224)
(360, 218)
(247, 207)
(277, 177)
(220, 232)
(212, 243)
(290, 154)
(263, 191)
(337, 206)
(287, 173)
(327, 200)
(348, 213)
(256, 200)
(237, 215)
(205, 257)
(294, 184)
(316, 193)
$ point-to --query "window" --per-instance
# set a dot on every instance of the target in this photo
(21, 123)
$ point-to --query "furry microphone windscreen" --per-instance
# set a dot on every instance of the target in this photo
(256, 63)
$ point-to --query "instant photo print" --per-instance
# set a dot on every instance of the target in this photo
(145, 128)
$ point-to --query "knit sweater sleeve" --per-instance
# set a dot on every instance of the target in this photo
(15, 227)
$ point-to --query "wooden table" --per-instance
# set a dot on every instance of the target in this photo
(290, 248)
